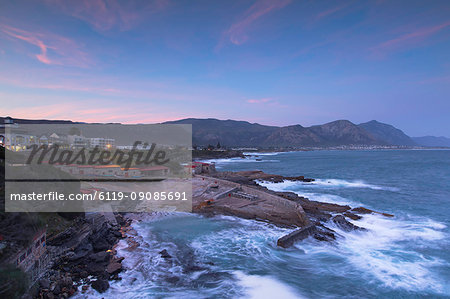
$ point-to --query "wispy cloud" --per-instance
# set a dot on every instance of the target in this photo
(269, 102)
(408, 39)
(238, 31)
(332, 10)
(54, 49)
(105, 15)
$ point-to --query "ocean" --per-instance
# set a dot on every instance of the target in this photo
(406, 256)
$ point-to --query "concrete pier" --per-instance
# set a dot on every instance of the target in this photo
(224, 197)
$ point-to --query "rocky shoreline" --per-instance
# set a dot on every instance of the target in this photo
(86, 252)
(318, 213)
(85, 257)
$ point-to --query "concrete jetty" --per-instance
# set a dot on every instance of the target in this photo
(212, 195)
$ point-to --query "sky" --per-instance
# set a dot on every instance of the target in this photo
(278, 62)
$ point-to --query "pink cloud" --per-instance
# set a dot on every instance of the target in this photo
(84, 112)
(237, 33)
(259, 101)
(105, 15)
(409, 38)
(54, 49)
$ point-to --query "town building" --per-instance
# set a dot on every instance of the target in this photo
(102, 142)
(31, 257)
(203, 168)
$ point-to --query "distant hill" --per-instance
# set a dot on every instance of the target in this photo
(234, 133)
(39, 121)
(242, 133)
(387, 133)
(432, 141)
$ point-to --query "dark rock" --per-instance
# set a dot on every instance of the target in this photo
(362, 210)
(57, 289)
(100, 245)
(172, 279)
(114, 267)
(67, 281)
(100, 285)
(352, 216)
(44, 283)
(165, 254)
(193, 268)
(117, 234)
(81, 251)
(345, 225)
(297, 235)
(99, 257)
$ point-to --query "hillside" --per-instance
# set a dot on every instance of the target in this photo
(234, 133)
(242, 133)
(387, 133)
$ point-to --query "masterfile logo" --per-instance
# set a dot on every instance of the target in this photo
(93, 167)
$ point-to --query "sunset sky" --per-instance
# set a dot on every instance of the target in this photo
(273, 62)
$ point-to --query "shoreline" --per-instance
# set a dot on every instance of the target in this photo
(87, 262)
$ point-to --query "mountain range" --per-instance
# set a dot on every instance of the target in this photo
(336, 133)
(234, 133)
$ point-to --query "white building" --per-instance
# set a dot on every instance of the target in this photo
(102, 142)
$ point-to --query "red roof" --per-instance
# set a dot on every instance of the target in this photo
(201, 163)
(154, 168)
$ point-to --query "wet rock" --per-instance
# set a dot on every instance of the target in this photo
(165, 254)
(114, 267)
(193, 268)
(345, 225)
(99, 257)
(352, 216)
(49, 296)
(362, 210)
(81, 251)
(387, 215)
(100, 285)
(172, 279)
(44, 283)
(297, 235)
(100, 245)
(56, 289)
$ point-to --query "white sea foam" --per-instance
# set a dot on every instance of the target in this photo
(287, 185)
(261, 287)
(262, 154)
(382, 251)
(387, 251)
(220, 162)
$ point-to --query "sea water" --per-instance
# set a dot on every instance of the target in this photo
(407, 256)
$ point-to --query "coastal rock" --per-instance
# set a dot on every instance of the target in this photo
(100, 285)
(345, 225)
(165, 254)
(44, 283)
(81, 251)
(352, 216)
(297, 235)
(99, 257)
(362, 210)
(114, 267)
